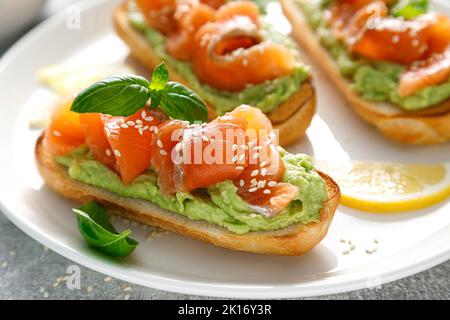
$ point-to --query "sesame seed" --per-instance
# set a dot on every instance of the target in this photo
(145, 128)
(239, 168)
(254, 173)
(163, 152)
(244, 146)
(141, 131)
(108, 279)
(124, 126)
(159, 143)
(272, 183)
(252, 189)
(117, 153)
(395, 38)
(267, 191)
(130, 123)
(263, 172)
(108, 152)
(241, 182)
(156, 130)
(148, 118)
(143, 114)
(56, 133)
(138, 121)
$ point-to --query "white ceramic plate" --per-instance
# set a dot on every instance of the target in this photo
(408, 242)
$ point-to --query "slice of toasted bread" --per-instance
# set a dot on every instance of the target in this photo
(291, 118)
(428, 126)
(294, 240)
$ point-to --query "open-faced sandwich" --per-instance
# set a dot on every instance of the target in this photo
(225, 51)
(226, 182)
(391, 60)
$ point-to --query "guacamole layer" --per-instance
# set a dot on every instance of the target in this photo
(218, 204)
(265, 96)
(374, 81)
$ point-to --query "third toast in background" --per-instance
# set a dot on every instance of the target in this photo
(391, 59)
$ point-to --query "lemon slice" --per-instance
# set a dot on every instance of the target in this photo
(389, 187)
(67, 79)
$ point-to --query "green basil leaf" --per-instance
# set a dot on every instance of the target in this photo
(156, 98)
(409, 9)
(117, 96)
(97, 230)
(160, 77)
(180, 102)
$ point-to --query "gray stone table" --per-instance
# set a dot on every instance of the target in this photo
(30, 271)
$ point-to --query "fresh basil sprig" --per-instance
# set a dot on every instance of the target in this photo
(123, 96)
(409, 9)
(97, 230)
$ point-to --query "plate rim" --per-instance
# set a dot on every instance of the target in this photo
(183, 286)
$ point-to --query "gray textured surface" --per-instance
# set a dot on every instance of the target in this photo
(30, 271)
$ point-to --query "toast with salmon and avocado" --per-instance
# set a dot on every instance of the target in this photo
(390, 59)
(227, 52)
(226, 182)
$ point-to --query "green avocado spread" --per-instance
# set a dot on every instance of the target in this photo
(265, 96)
(218, 204)
(374, 81)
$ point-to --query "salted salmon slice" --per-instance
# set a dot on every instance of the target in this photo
(159, 14)
(433, 71)
(243, 63)
(64, 132)
(368, 31)
(130, 140)
(234, 9)
(93, 127)
(189, 157)
(163, 142)
(189, 16)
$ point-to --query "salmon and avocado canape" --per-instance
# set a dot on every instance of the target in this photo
(227, 52)
(145, 151)
(390, 59)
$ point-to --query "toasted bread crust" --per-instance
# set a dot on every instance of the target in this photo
(428, 126)
(294, 240)
(291, 118)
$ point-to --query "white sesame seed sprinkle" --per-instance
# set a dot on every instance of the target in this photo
(163, 152)
(130, 123)
(267, 191)
(272, 183)
(159, 143)
(241, 182)
(239, 168)
(252, 189)
(117, 153)
(143, 114)
(141, 131)
(263, 172)
(138, 121)
(148, 119)
(108, 152)
(254, 173)
(124, 126)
